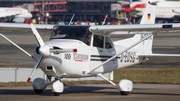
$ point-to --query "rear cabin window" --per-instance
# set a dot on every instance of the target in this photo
(108, 43)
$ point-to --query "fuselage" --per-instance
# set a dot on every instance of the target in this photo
(92, 50)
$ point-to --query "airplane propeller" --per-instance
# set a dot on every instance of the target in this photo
(42, 48)
(45, 50)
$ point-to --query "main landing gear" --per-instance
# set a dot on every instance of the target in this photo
(39, 85)
(124, 86)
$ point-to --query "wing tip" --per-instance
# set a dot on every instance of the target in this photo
(28, 79)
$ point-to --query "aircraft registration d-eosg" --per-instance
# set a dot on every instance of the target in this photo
(84, 51)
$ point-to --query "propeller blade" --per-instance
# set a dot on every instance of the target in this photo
(36, 34)
(34, 69)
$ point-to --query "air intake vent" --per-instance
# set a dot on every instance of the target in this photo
(55, 47)
(49, 67)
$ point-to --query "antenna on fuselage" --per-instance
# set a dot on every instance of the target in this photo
(105, 19)
(71, 19)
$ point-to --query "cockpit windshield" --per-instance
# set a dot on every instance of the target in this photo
(71, 32)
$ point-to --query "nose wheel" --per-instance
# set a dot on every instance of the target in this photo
(57, 88)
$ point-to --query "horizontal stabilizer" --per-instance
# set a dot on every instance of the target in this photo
(160, 58)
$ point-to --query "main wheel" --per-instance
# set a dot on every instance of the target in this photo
(39, 84)
(37, 91)
(56, 94)
(124, 93)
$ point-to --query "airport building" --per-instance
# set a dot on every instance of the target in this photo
(61, 11)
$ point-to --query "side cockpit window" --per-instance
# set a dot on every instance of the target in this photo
(87, 40)
(108, 43)
(98, 41)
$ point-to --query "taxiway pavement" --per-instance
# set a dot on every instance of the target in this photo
(141, 92)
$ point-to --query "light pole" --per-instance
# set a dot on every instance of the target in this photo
(47, 15)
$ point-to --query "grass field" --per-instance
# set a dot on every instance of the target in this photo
(137, 75)
(149, 75)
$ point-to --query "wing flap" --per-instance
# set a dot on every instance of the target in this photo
(161, 58)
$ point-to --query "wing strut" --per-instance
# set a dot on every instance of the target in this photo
(154, 32)
(17, 46)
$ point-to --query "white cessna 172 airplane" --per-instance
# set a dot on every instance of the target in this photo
(84, 51)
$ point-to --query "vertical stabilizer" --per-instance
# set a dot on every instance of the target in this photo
(148, 17)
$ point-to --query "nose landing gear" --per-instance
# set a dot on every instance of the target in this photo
(57, 88)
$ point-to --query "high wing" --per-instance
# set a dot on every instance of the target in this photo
(160, 58)
(25, 26)
(110, 29)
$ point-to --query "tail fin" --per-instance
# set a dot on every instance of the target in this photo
(149, 15)
(147, 18)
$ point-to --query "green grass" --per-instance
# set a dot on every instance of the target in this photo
(137, 75)
(149, 75)
(15, 84)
